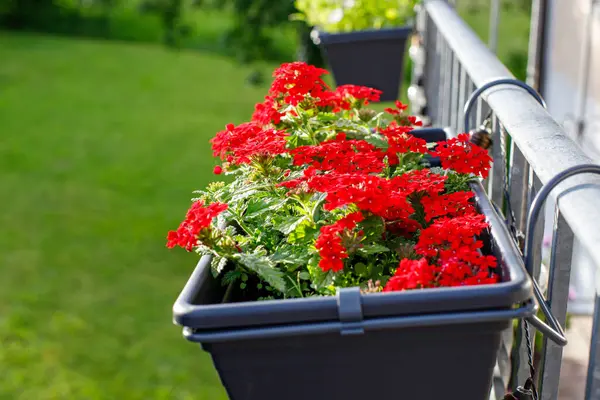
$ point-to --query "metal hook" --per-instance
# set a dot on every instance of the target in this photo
(502, 81)
(554, 331)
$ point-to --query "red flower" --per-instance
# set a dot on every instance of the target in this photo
(197, 218)
(400, 141)
(412, 274)
(267, 112)
(463, 157)
(453, 205)
(238, 144)
(296, 80)
(414, 121)
(217, 170)
(451, 233)
(341, 155)
(329, 242)
(398, 110)
(359, 93)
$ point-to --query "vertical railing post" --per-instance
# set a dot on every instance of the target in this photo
(592, 387)
(558, 292)
(494, 25)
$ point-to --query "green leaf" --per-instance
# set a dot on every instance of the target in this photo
(217, 264)
(322, 282)
(291, 255)
(231, 276)
(372, 249)
(349, 126)
(373, 227)
(257, 207)
(304, 275)
(264, 268)
(378, 141)
(288, 224)
(360, 269)
(304, 233)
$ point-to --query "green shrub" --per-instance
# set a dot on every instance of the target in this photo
(354, 15)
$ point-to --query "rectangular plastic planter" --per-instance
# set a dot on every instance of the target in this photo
(424, 344)
(373, 58)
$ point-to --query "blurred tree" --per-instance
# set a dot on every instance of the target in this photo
(254, 21)
(171, 13)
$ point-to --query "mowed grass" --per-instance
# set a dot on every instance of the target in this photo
(101, 145)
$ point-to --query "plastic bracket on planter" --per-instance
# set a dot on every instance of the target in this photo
(552, 329)
(350, 312)
(503, 81)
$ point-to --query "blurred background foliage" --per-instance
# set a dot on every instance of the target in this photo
(249, 30)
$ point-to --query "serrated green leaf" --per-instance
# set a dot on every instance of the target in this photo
(264, 268)
(321, 281)
(373, 249)
(231, 276)
(291, 255)
(378, 141)
(217, 264)
(304, 233)
(257, 207)
(347, 125)
(289, 224)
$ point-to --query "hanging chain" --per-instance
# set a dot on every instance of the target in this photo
(528, 391)
(529, 384)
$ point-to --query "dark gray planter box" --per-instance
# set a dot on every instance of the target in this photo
(373, 58)
(427, 344)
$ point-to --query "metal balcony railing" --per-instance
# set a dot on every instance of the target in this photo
(529, 148)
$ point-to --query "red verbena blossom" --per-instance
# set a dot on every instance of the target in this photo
(419, 181)
(197, 218)
(341, 155)
(329, 242)
(218, 170)
(364, 93)
(414, 121)
(238, 144)
(463, 157)
(400, 108)
(266, 113)
(412, 274)
(451, 205)
(295, 80)
(400, 141)
(451, 233)
(370, 193)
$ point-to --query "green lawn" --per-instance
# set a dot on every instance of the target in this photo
(101, 145)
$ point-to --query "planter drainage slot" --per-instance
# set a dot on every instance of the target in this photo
(350, 311)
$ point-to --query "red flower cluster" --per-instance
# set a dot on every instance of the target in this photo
(238, 144)
(341, 155)
(355, 92)
(400, 141)
(266, 113)
(295, 80)
(400, 108)
(197, 218)
(354, 175)
(329, 242)
(451, 256)
(448, 205)
(463, 157)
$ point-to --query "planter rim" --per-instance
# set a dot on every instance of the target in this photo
(326, 38)
(352, 306)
